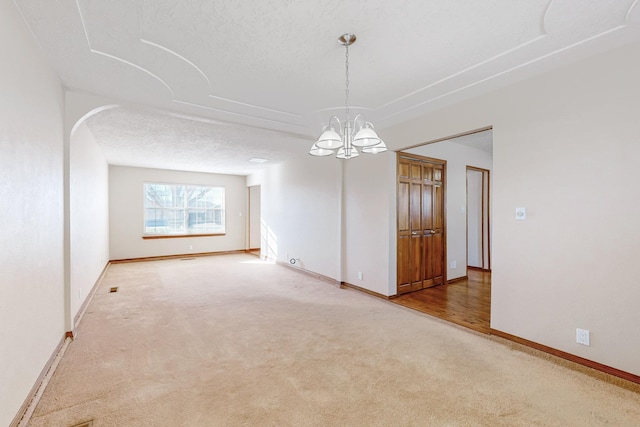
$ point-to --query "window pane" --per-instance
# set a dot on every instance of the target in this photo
(183, 209)
(176, 221)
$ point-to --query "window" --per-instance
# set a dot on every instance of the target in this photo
(182, 210)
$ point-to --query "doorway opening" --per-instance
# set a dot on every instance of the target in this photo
(478, 219)
(465, 296)
(465, 302)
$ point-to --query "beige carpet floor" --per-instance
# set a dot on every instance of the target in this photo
(233, 341)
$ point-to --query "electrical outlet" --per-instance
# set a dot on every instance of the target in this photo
(359, 275)
(582, 336)
(453, 264)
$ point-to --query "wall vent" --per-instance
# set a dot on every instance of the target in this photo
(111, 290)
(84, 424)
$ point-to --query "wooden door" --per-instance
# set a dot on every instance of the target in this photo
(421, 229)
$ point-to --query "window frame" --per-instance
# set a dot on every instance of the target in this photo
(186, 209)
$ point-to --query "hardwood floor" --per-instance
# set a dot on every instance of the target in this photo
(466, 302)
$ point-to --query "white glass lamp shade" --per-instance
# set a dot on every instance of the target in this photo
(375, 149)
(366, 137)
(320, 152)
(330, 139)
(342, 153)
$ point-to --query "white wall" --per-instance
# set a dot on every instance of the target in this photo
(566, 148)
(254, 217)
(366, 202)
(89, 214)
(458, 157)
(301, 213)
(126, 214)
(31, 212)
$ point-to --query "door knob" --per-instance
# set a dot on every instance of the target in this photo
(413, 233)
(433, 231)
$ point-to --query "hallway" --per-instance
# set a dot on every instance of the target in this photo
(465, 302)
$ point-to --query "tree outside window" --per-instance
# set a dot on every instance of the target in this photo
(176, 209)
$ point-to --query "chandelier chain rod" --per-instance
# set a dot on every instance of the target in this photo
(347, 81)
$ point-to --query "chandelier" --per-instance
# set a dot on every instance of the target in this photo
(358, 133)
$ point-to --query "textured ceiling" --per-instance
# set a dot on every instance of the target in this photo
(156, 139)
(249, 69)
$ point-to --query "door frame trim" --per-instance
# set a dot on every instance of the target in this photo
(484, 172)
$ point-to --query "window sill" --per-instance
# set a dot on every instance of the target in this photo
(176, 236)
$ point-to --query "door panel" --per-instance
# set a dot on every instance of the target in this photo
(403, 170)
(438, 259)
(421, 231)
(416, 226)
(416, 263)
(414, 207)
(416, 171)
(428, 264)
(438, 207)
(437, 173)
(403, 206)
(404, 264)
(427, 207)
(438, 254)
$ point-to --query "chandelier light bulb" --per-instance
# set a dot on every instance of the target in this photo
(347, 153)
(320, 152)
(366, 137)
(375, 149)
(329, 139)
